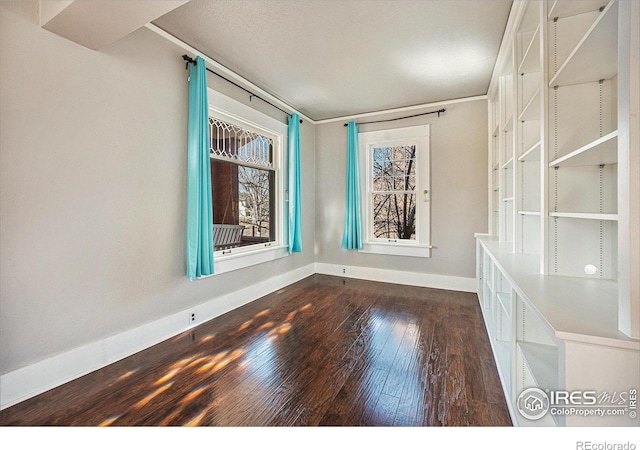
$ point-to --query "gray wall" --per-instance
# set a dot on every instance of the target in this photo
(458, 190)
(93, 187)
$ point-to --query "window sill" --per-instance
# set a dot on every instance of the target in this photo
(247, 258)
(383, 248)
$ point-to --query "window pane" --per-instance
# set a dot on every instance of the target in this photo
(394, 216)
(381, 166)
(394, 168)
(243, 204)
(382, 154)
(404, 167)
(405, 183)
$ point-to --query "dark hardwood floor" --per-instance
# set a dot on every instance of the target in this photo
(323, 351)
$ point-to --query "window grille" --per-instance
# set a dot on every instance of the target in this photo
(231, 142)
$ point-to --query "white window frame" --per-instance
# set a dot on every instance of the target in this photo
(234, 112)
(367, 141)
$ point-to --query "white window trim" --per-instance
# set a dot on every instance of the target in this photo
(240, 114)
(421, 246)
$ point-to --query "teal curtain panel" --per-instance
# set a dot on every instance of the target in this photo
(352, 238)
(199, 209)
(295, 211)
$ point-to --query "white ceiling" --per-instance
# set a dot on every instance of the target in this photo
(334, 58)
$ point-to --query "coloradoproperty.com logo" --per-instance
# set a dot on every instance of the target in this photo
(534, 403)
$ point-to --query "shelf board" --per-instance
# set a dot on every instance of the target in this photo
(599, 44)
(532, 154)
(543, 363)
(508, 126)
(562, 8)
(531, 111)
(603, 150)
(531, 59)
(529, 213)
(507, 164)
(588, 216)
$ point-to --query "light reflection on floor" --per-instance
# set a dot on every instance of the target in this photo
(207, 338)
(201, 368)
(126, 375)
(145, 401)
(396, 332)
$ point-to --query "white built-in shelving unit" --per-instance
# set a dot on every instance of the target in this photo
(548, 269)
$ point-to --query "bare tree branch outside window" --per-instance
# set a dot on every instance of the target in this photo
(394, 192)
(255, 209)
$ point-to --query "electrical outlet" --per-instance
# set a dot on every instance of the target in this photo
(192, 318)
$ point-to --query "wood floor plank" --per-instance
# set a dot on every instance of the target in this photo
(456, 409)
(404, 356)
(331, 373)
(350, 402)
(434, 379)
(323, 351)
(411, 405)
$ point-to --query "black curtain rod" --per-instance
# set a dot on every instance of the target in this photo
(190, 60)
(438, 112)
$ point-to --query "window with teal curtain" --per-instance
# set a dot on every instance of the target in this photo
(352, 238)
(199, 211)
(295, 213)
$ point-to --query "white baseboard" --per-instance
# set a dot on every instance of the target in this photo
(29, 381)
(447, 282)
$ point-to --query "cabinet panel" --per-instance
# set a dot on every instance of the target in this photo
(487, 287)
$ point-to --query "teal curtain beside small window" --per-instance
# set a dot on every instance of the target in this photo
(199, 210)
(295, 212)
(352, 238)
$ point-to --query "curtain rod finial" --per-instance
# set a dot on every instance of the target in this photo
(189, 60)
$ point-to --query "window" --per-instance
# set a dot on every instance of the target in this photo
(396, 186)
(247, 153)
(243, 186)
